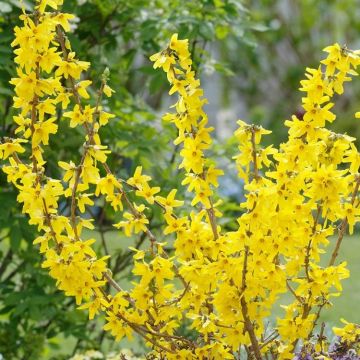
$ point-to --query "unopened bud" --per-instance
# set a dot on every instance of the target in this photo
(105, 75)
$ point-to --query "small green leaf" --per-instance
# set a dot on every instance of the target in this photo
(260, 27)
(15, 236)
(221, 31)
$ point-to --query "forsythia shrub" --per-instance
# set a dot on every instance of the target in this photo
(221, 285)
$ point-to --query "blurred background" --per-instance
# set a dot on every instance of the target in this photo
(250, 56)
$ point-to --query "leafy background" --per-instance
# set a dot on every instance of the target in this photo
(255, 52)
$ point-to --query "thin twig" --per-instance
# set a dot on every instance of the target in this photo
(253, 153)
(343, 226)
(270, 339)
(293, 292)
(308, 247)
(245, 312)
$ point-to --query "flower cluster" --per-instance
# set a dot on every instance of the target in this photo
(345, 347)
(97, 355)
(191, 122)
(220, 285)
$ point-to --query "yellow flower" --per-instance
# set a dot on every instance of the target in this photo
(52, 3)
(76, 116)
(63, 20)
(138, 180)
(94, 307)
(11, 147)
(352, 215)
(49, 59)
(163, 60)
(84, 199)
(104, 118)
(81, 88)
(148, 192)
(174, 224)
(70, 170)
(118, 328)
(169, 202)
(42, 130)
(132, 224)
(107, 185)
(350, 333)
(108, 91)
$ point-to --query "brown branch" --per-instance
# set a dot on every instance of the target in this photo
(168, 336)
(212, 219)
(321, 336)
(255, 347)
(253, 153)
(298, 298)
(138, 328)
(317, 316)
(49, 224)
(180, 297)
(244, 271)
(210, 212)
(112, 282)
(73, 196)
(308, 247)
(273, 336)
(343, 226)
(245, 312)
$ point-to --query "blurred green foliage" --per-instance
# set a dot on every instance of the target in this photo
(291, 38)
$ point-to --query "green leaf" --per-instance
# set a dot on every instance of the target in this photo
(7, 92)
(13, 298)
(156, 82)
(223, 69)
(260, 27)
(206, 29)
(221, 31)
(15, 236)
